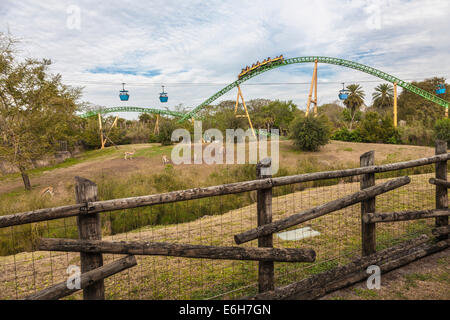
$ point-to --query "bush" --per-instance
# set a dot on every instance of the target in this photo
(153, 138)
(165, 132)
(442, 130)
(310, 133)
(416, 134)
(374, 128)
(344, 134)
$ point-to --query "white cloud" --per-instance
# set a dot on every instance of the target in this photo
(209, 42)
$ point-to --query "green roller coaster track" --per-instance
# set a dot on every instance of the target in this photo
(335, 61)
(132, 109)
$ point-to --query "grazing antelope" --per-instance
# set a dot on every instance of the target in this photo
(165, 160)
(128, 155)
(48, 190)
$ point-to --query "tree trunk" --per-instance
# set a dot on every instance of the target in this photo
(25, 178)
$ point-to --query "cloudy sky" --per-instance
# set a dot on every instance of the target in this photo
(195, 48)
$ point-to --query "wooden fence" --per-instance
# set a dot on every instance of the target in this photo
(91, 246)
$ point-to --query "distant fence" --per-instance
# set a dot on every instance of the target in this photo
(93, 248)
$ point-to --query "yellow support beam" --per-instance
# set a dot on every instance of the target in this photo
(239, 94)
(103, 141)
(395, 104)
(156, 130)
(313, 86)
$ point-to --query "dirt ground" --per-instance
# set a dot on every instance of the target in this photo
(424, 279)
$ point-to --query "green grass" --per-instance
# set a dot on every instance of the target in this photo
(85, 156)
(366, 293)
(411, 279)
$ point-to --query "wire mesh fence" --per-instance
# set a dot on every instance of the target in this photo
(335, 237)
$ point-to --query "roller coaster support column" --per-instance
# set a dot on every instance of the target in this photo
(103, 141)
(313, 85)
(395, 104)
(156, 130)
(245, 108)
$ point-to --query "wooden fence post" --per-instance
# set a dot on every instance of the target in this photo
(368, 240)
(441, 191)
(264, 206)
(89, 228)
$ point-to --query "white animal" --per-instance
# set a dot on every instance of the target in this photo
(128, 155)
(165, 160)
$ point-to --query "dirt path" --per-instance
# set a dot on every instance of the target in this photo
(425, 279)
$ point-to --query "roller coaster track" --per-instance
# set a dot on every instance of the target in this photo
(328, 60)
(132, 109)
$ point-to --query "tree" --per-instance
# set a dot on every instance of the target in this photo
(413, 109)
(333, 111)
(145, 118)
(279, 114)
(36, 109)
(354, 101)
(442, 130)
(167, 126)
(310, 133)
(383, 97)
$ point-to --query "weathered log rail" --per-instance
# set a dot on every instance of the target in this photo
(373, 217)
(91, 247)
(178, 250)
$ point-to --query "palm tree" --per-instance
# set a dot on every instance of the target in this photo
(383, 97)
(355, 100)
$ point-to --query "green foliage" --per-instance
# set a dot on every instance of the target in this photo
(139, 132)
(166, 128)
(383, 97)
(414, 109)
(354, 101)
(333, 111)
(416, 134)
(345, 134)
(442, 130)
(273, 115)
(374, 128)
(310, 133)
(36, 109)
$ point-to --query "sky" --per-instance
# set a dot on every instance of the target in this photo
(195, 48)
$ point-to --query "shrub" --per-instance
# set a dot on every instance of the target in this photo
(374, 128)
(344, 134)
(416, 134)
(310, 133)
(153, 138)
(165, 132)
(442, 130)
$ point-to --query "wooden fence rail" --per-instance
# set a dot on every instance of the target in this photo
(91, 247)
(373, 217)
(178, 250)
